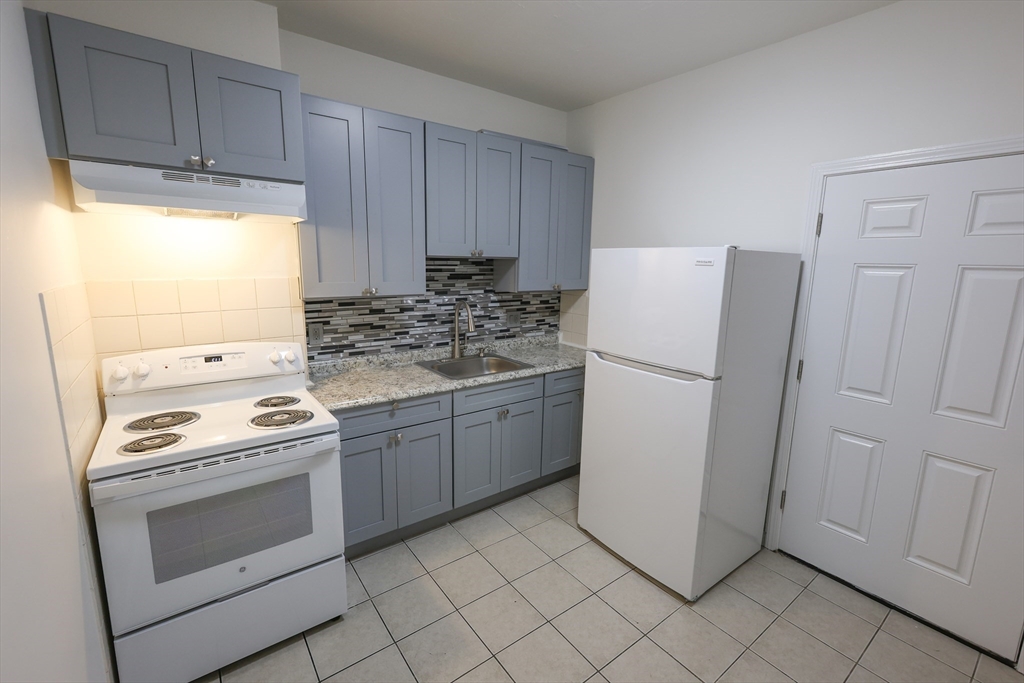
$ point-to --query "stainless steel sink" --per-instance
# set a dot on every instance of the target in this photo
(473, 366)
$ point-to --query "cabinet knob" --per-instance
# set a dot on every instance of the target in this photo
(395, 406)
(196, 160)
(398, 437)
(373, 290)
(209, 161)
(557, 288)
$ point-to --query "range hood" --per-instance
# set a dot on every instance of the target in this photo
(114, 188)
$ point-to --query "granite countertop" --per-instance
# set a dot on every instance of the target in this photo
(391, 377)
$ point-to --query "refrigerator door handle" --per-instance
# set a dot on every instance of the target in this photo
(656, 369)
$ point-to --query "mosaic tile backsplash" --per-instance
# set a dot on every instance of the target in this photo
(356, 327)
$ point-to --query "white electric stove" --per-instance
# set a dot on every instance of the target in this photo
(216, 487)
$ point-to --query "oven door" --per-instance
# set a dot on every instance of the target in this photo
(175, 538)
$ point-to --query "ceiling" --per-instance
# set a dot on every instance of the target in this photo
(564, 54)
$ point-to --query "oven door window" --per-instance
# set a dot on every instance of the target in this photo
(190, 537)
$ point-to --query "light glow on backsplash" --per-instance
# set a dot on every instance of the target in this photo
(363, 326)
(573, 318)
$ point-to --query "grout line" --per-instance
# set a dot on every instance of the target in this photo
(310, 652)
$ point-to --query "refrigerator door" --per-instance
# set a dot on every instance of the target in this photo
(662, 306)
(645, 466)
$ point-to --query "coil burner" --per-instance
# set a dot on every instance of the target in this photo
(162, 421)
(276, 402)
(150, 444)
(279, 419)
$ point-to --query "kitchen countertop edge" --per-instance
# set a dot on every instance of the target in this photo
(360, 386)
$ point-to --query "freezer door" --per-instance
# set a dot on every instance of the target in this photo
(663, 306)
(645, 465)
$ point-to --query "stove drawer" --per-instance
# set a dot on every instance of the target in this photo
(384, 417)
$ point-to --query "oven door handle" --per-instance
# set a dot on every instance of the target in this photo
(106, 492)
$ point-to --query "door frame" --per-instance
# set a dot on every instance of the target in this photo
(820, 173)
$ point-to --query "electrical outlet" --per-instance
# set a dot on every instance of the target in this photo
(515, 319)
(315, 334)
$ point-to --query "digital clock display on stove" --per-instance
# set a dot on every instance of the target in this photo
(213, 359)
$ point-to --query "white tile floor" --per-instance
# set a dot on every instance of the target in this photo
(519, 593)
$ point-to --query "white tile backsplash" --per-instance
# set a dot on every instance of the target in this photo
(237, 294)
(272, 293)
(197, 296)
(573, 319)
(161, 331)
(119, 334)
(275, 322)
(240, 325)
(202, 328)
(154, 297)
(108, 299)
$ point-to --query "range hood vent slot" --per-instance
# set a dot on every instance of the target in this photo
(178, 176)
(227, 182)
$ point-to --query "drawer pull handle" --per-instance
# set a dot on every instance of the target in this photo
(398, 437)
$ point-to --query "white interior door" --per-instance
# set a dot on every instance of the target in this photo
(906, 474)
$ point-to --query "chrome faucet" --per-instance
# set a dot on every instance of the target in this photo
(470, 327)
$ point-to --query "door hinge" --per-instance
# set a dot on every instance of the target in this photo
(782, 503)
(799, 371)
(817, 231)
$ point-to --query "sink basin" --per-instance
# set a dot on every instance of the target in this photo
(472, 366)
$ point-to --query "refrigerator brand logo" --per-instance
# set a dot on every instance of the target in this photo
(705, 262)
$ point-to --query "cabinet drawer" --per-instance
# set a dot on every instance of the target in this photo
(561, 382)
(387, 416)
(494, 395)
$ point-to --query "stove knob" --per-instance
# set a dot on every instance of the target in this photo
(289, 356)
(142, 370)
(274, 357)
(121, 373)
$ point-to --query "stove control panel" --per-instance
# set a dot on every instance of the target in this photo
(212, 362)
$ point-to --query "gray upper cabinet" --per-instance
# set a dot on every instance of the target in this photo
(124, 97)
(497, 196)
(555, 214)
(395, 203)
(424, 458)
(333, 238)
(563, 425)
(521, 442)
(250, 120)
(451, 175)
(130, 99)
(572, 251)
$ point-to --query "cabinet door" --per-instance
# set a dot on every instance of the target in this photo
(563, 423)
(332, 240)
(395, 210)
(572, 268)
(368, 481)
(538, 222)
(451, 191)
(497, 201)
(424, 454)
(476, 453)
(124, 97)
(250, 118)
(521, 442)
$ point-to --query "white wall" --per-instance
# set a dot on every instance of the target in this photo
(50, 623)
(338, 73)
(722, 155)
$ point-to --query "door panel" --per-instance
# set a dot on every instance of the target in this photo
(124, 97)
(250, 118)
(497, 203)
(424, 455)
(563, 425)
(368, 476)
(914, 494)
(395, 203)
(476, 452)
(521, 442)
(573, 251)
(537, 266)
(451, 191)
(332, 240)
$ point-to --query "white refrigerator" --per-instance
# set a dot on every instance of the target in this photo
(685, 369)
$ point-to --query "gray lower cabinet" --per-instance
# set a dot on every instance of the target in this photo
(333, 238)
(424, 457)
(395, 478)
(130, 99)
(476, 454)
(554, 224)
(563, 425)
(369, 487)
(521, 442)
(395, 203)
